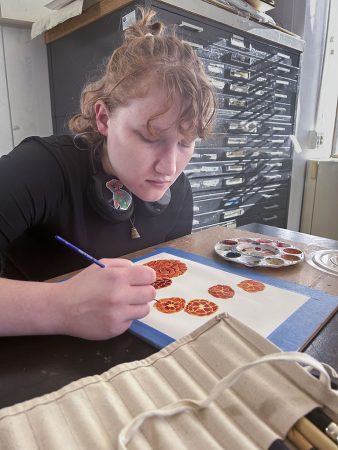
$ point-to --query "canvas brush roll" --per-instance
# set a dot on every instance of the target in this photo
(261, 407)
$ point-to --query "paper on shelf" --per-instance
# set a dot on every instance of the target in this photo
(55, 17)
(57, 4)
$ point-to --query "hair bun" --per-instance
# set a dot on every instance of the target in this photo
(144, 26)
(156, 28)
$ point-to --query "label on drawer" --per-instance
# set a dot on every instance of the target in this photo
(280, 110)
(235, 154)
(246, 126)
(195, 184)
(237, 41)
(210, 169)
(217, 69)
(187, 171)
(210, 183)
(232, 181)
(237, 102)
(242, 88)
(283, 82)
(278, 128)
(260, 92)
(240, 74)
(212, 156)
(218, 84)
(232, 202)
(283, 69)
(234, 167)
(233, 213)
(237, 140)
(280, 95)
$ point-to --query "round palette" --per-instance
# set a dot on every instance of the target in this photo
(259, 252)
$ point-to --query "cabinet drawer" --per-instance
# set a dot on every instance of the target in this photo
(240, 107)
(270, 63)
(205, 219)
(227, 224)
(224, 124)
(269, 199)
(241, 213)
(228, 141)
(206, 205)
(238, 154)
(256, 52)
(203, 169)
(215, 183)
(277, 219)
(258, 91)
(196, 32)
(231, 181)
(194, 170)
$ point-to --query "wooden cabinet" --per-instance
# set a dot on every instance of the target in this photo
(241, 173)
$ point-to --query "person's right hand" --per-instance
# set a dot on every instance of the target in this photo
(99, 303)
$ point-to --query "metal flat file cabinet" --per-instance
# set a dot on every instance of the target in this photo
(241, 173)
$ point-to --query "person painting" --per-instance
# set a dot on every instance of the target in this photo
(116, 185)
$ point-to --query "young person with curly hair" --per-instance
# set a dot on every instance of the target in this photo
(114, 186)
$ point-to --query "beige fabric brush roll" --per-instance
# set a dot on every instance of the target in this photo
(259, 408)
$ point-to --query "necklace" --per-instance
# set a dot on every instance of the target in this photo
(134, 234)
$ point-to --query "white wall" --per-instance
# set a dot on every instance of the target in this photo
(6, 137)
(25, 108)
(306, 18)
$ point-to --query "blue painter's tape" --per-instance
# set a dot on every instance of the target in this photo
(150, 334)
(291, 335)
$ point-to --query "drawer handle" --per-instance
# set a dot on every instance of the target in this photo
(193, 44)
(237, 41)
(283, 69)
(274, 206)
(278, 129)
(271, 177)
(267, 219)
(190, 26)
(274, 165)
(270, 195)
(285, 83)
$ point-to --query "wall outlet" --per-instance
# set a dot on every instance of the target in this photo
(316, 139)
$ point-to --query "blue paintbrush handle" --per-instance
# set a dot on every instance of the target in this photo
(79, 251)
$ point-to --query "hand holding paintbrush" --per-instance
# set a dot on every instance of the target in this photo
(102, 300)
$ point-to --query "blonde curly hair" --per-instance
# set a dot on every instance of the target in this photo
(149, 54)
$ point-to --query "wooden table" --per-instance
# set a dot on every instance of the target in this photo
(35, 365)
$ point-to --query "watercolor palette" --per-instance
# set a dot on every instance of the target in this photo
(259, 252)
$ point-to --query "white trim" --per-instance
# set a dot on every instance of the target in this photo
(328, 93)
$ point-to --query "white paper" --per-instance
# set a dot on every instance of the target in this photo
(262, 311)
(57, 4)
(56, 17)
